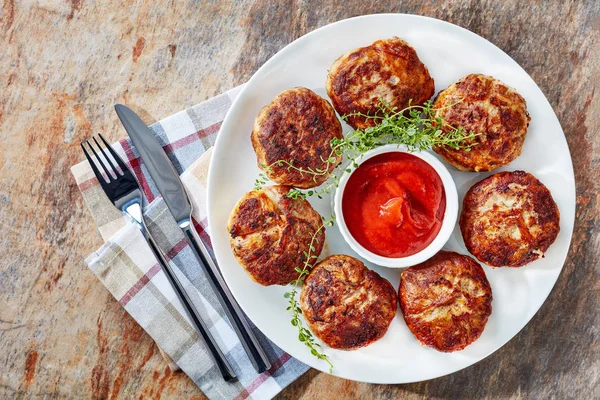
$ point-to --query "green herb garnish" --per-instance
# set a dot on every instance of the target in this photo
(417, 127)
(304, 334)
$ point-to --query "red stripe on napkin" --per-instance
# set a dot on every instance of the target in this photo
(150, 274)
(139, 285)
(176, 249)
(134, 163)
(87, 184)
(202, 232)
(202, 133)
(263, 377)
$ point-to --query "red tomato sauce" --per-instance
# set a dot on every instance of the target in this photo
(394, 204)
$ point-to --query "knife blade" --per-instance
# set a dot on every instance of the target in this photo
(175, 196)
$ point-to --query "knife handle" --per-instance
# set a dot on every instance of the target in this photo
(255, 352)
(197, 321)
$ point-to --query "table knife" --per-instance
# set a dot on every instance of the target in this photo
(175, 196)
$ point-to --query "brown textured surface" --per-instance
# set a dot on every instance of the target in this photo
(65, 63)
(446, 301)
(269, 234)
(297, 126)
(496, 113)
(509, 219)
(347, 305)
(388, 70)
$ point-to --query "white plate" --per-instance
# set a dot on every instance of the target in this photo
(450, 52)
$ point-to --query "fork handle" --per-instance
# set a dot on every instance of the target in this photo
(253, 349)
(197, 321)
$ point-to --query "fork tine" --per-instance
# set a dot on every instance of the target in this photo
(106, 156)
(108, 175)
(93, 165)
(118, 159)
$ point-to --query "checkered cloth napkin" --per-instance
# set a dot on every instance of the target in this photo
(125, 265)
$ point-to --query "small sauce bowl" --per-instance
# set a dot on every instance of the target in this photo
(448, 220)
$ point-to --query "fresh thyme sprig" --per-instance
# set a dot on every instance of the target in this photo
(304, 334)
(416, 127)
(315, 172)
(261, 181)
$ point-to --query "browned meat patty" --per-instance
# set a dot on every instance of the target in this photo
(446, 301)
(270, 232)
(387, 70)
(509, 219)
(346, 304)
(297, 127)
(487, 107)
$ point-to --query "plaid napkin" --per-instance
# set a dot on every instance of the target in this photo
(125, 265)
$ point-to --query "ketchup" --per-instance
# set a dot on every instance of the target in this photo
(394, 204)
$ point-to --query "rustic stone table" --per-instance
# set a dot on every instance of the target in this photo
(64, 63)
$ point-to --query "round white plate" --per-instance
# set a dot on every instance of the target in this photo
(450, 52)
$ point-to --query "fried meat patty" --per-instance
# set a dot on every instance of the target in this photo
(296, 127)
(387, 70)
(346, 304)
(489, 108)
(270, 232)
(509, 219)
(446, 301)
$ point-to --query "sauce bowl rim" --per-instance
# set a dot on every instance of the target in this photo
(448, 222)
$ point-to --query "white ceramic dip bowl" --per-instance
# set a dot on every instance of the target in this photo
(448, 222)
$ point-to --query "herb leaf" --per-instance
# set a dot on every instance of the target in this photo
(417, 127)
(304, 334)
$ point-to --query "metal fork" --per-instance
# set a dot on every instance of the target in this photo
(124, 192)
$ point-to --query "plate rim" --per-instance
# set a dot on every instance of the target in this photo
(307, 358)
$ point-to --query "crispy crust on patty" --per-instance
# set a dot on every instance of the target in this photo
(446, 301)
(347, 305)
(487, 107)
(297, 126)
(509, 219)
(387, 70)
(270, 232)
